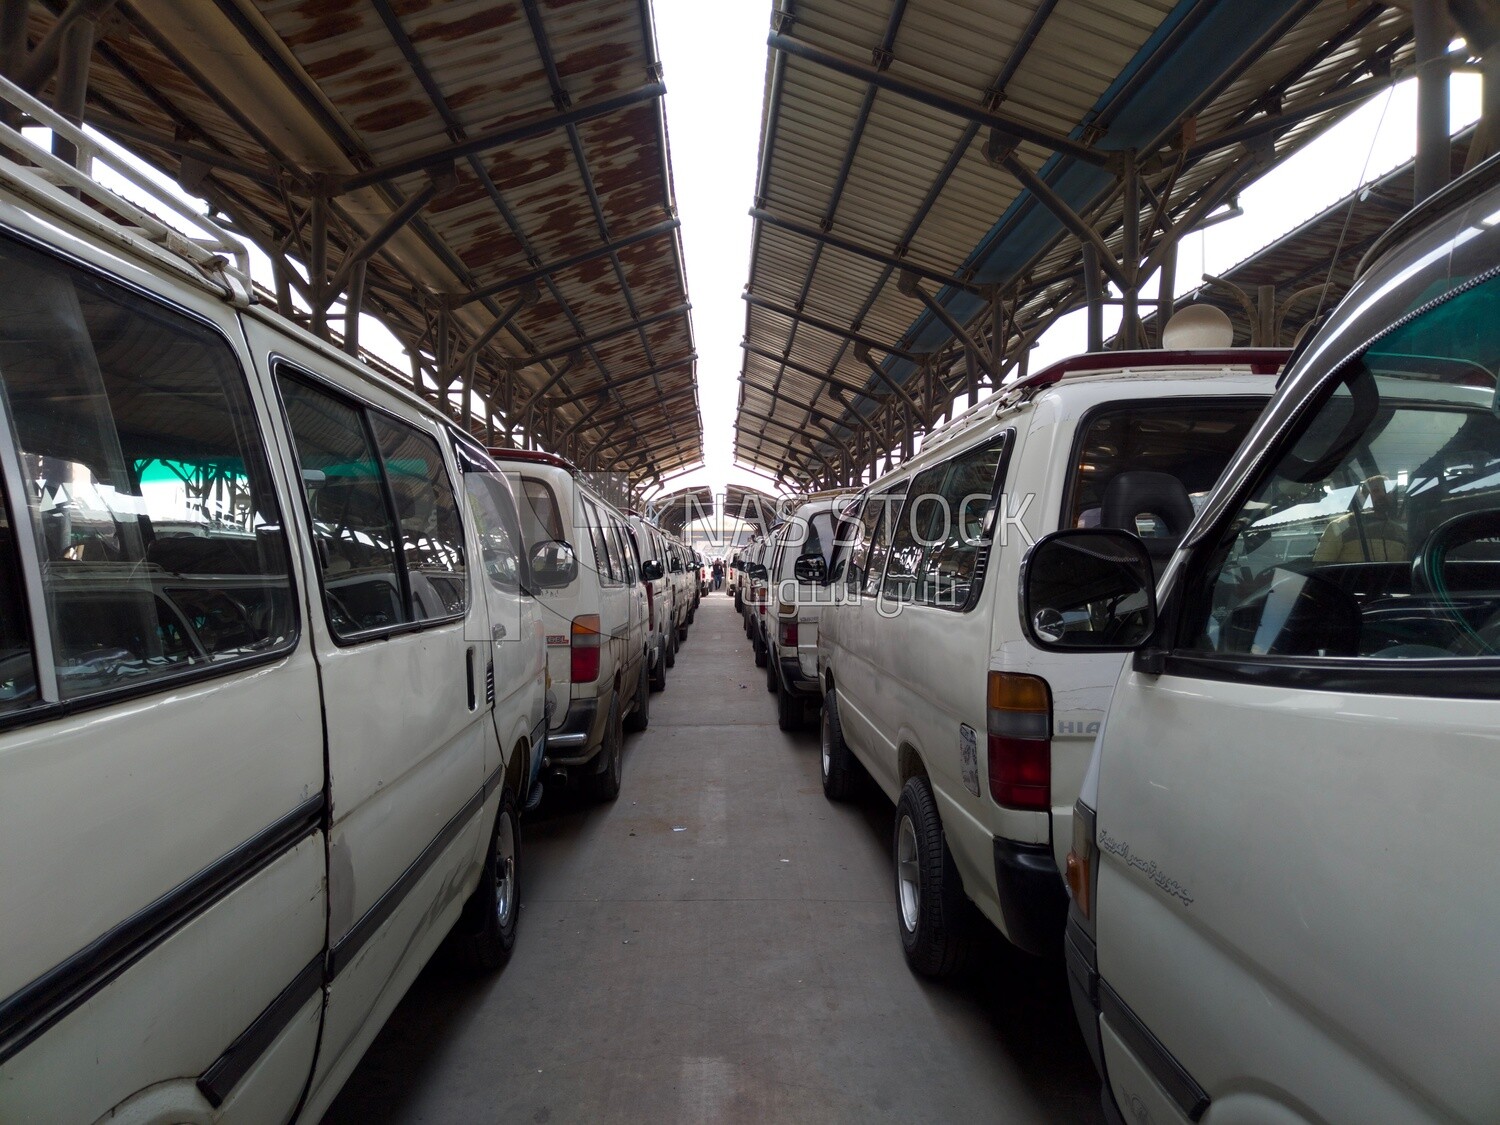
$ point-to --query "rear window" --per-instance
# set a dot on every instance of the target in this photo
(1121, 448)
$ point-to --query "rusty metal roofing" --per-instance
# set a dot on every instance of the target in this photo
(1308, 270)
(908, 151)
(524, 141)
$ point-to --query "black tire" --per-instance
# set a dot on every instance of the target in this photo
(659, 673)
(772, 683)
(839, 767)
(932, 912)
(760, 652)
(682, 631)
(485, 933)
(605, 780)
(639, 719)
(789, 710)
(669, 650)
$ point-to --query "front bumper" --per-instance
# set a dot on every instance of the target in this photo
(573, 742)
(1033, 901)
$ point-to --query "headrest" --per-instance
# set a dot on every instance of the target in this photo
(1161, 495)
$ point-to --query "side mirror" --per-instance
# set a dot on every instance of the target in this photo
(810, 568)
(553, 565)
(758, 572)
(651, 570)
(1088, 590)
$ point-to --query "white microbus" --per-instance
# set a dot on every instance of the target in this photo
(270, 687)
(595, 615)
(1281, 910)
(928, 679)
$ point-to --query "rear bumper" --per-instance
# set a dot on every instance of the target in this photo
(794, 680)
(573, 742)
(1033, 901)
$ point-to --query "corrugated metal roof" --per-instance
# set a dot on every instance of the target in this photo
(540, 123)
(885, 125)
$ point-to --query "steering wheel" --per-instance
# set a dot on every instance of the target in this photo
(1427, 567)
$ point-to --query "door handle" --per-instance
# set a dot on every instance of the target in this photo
(497, 633)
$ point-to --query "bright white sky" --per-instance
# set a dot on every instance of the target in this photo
(714, 57)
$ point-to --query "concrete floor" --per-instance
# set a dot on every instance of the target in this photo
(720, 945)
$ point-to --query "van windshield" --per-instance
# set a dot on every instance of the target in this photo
(1378, 532)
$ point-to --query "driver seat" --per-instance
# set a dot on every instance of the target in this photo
(1145, 492)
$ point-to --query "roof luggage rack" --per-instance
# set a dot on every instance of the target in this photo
(46, 182)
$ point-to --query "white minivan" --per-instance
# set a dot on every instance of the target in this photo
(798, 572)
(595, 618)
(270, 686)
(928, 679)
(1283, 908)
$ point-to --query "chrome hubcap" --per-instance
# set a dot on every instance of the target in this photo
(505, 870)
(908, 876)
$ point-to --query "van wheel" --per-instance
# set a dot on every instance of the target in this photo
(669, 651)
(682, 630)
(606, 779)
(485, 934)
(760, 652)
(771, 683)
(640, 718)
(659, 673)
(839, 765)
(930, 903)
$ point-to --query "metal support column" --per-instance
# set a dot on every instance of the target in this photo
(318, 266)
(1166, 298)
(353, 304)
(1431, 31)
(1093, 287)
(1130, 236)
(73, 81)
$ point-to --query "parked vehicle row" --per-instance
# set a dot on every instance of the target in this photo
(280, 643)
(1148, 635)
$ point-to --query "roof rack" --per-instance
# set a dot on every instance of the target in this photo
(1261, 361)
(48, 183)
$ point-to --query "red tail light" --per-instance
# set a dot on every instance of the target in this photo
(650, 608)
(1020, 741)
(585, 649)
(787, 634)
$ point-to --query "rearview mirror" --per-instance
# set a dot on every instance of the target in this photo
(810, 568)
(1088, 590)
(651, 570)
(553, 565)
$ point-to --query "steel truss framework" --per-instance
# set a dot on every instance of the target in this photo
(920, 220)
(491, 180)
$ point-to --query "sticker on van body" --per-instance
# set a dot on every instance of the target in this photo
(968, 753)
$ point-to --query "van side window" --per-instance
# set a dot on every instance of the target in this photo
(432, 537)
(386, 529)
(541, 519)
(495, 519)
(622, 547)
(941, 540)
(889, 505)
(1377, 535)
(146, 485)
(847, 530)
(604, 562)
